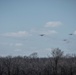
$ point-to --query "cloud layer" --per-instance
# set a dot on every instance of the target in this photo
(48, 32)
(16, 34)
(39, 31)
(12, 44)
(74, 33)
(53, 24)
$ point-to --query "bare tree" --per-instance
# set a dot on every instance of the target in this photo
(33, 55)
(57, 54)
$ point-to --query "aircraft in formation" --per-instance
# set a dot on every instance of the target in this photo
(65, 40)
(42, 34)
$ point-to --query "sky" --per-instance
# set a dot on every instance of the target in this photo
(22, 22)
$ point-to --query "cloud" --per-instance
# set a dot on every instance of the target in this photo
(3, 43)
(48, 49)
(53, 24)
(12, 44)
(43, 31)
(74, 33)
(15, 44)
(48, 32)
(18, 44)
(18, 50)
(16, 34)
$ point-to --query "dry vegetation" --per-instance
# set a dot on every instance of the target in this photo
(58, 64)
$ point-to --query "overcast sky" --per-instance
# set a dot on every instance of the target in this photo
(22, 22)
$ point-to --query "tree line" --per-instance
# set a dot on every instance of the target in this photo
(57, 64)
